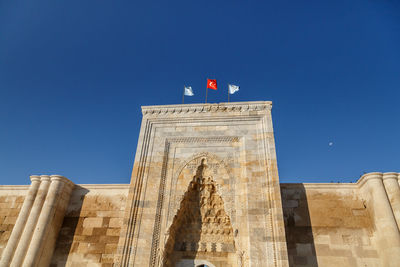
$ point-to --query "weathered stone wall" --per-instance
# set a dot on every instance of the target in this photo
(11, 200)
(90, 231)
(328, 225)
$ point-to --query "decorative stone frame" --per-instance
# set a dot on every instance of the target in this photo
(157, 134)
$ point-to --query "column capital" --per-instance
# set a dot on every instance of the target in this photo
(56, 177)
(369, 177)
(390, 175)
(44, 178)
(34, 178)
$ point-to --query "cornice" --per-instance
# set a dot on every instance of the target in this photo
(365, 178)
(390, 175)
(208, 107)
(368, 177)
(104, 186)
(14, 187)
(321, 185)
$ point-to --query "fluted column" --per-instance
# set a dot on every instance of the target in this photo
(398, 179)
(31, 222)
(388, 237)
(34, 235)
(21, 221)
(59, 186)
(393, 191)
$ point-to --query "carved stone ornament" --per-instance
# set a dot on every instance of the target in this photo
(201, 108)
(201, 227)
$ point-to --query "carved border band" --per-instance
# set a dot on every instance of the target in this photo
(156, 231)
(201, 108)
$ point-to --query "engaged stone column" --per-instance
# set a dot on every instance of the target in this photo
(398, 179)
(388, 237)
(48, 224)
(39, 221)
(31, 223)
(21, 221)
(393, 191)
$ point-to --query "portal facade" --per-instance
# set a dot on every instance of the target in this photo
(205, 187)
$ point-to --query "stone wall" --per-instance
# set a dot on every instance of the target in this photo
(328, 225)
(11, 199)
(325, 224)
(90, 231)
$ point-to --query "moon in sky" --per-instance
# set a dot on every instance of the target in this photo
(330, 143)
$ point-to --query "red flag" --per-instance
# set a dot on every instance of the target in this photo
(212, 84)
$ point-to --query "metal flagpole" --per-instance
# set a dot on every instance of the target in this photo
(183, 95)
(206, 91)
(228, 92)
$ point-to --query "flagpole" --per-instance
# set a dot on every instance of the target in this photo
(183, 95)
(228, 92)
(206, 91)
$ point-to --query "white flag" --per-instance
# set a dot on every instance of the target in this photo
(188, 91)
(233, 88)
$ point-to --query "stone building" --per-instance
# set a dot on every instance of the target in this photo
(204, 192)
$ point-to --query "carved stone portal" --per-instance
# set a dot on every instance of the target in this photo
(201, 229)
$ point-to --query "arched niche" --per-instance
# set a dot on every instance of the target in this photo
(201, 228)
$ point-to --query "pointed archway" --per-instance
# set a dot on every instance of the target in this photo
(201, 229)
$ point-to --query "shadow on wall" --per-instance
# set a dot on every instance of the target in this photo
(195, 263)
(299, 236)
(201, 217)
(185, 230)
(70, 225)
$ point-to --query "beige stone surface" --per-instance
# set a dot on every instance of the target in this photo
(33, 237)
(91, 226)
(11, 200)
(327, 225)
(346, 224)
(387, 236)
(237, 141)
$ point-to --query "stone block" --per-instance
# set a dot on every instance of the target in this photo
(115, 222)
(113, 231)
(107, 258)
(92, 222)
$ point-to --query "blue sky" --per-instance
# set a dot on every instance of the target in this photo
(73, 75)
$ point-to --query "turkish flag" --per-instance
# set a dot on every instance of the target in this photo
(212, 84)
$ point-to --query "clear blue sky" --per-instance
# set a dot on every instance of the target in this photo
(73, 75)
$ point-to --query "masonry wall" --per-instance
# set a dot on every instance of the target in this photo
(325, 224)
(328, 225)
(91, 227)
(11, 200)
